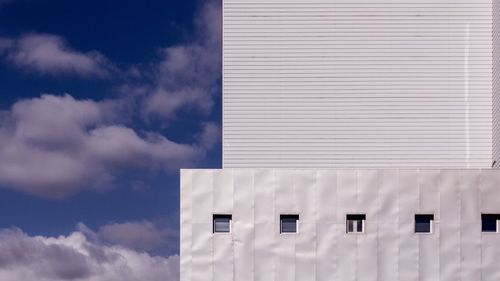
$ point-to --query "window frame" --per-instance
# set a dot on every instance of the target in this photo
(297, 223)
(497, 219)
(215, 216)
(431, 224)
(355, 218)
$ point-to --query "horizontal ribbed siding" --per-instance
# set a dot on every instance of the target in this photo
(496, 83)
(358, 83)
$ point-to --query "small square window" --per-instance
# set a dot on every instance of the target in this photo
(222, 223)
(355, 223)
(424, 223)
(490, 222)
(289, 223)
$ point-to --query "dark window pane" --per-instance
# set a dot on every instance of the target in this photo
(350, 226)
(360, 226)
(289, 226)
(289, 223)
(222, 223)
(489, 222)
(423, 223)
(423, 227)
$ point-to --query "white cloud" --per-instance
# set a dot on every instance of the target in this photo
(138, 235)
(54, 146)
(50, 54)
(77, 257)
(187, 76)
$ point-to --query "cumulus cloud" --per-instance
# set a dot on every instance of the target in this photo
(137, 235)
(76, 257)
(54, 146)
(50, 54)
(187, 76)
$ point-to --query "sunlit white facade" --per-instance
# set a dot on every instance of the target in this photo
(358, 144)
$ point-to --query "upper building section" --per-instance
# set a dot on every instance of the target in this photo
(357, 83)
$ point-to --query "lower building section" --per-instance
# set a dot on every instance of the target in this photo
(340, 225)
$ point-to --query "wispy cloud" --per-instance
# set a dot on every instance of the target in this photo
(76, 257)
(54, 146)
(5, 44)
(187, 75)
(51, 55)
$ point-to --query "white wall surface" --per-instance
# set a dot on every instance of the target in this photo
(358, 83)
(255, 250)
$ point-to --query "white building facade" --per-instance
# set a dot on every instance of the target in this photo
(358, 144)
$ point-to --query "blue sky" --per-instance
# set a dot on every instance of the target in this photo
(101, 103)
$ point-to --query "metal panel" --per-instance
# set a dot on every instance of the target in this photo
(428, 192)
(372, 84)
(202, 183)
(429, 256)
(284, 193)
(388, 232)
(489, 187)
(346, 262)
(285, 258)
(496, 83)
(322, 250)
(266, 226)
(347, 185)
(201, 252)
(243, 225)
(367, 260)
(326, 196)
(449, 227)
(223, 192)
(305, 251)
(408, 249)
(223, 257)
(265, 251)
(305, 187)
(326, 246)
(490, 255)
(186, 220)
(470, 251)
(328, 230)
(387, 251)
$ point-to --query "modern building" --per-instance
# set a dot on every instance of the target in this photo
(360, 142)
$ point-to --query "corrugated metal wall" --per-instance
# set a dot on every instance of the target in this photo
(358, 83)
(388, 251)
(496, 83)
